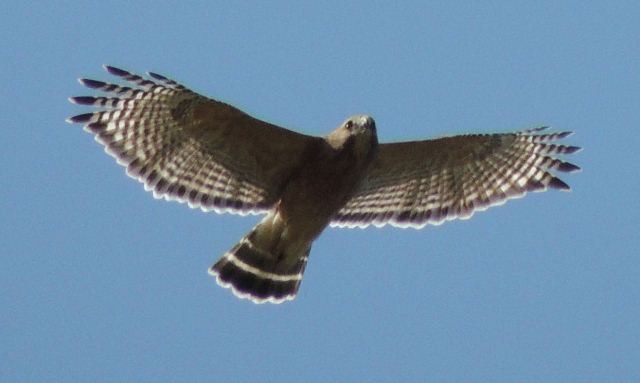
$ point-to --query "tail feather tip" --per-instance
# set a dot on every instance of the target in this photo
(246, 285)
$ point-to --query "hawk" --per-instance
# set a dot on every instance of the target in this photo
(186, 147)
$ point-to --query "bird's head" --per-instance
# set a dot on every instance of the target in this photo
(357, 132)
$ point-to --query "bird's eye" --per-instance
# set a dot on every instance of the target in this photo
(349, 125)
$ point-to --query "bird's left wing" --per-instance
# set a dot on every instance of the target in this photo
(412, 184)
(186, 147)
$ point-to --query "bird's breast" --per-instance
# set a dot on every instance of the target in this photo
(319, 189)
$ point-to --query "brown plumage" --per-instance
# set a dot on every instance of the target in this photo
(206, 153)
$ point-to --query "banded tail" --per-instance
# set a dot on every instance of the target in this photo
(262, 273)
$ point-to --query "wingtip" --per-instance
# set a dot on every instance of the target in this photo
(563, 135)
(94, 84)
(536, 129)
(157, 76)
(568, 167)
(115, 71)
(82, 100)
(557, 183)
(80, 118)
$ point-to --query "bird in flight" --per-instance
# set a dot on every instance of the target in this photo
(186, 147)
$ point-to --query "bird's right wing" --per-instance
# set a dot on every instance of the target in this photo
(411, 184)
(190, 148)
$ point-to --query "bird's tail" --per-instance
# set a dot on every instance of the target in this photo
(256, 270)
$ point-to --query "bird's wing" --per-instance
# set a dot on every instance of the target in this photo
(412, 184)
(190, 148)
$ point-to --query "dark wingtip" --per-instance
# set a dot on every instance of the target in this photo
(82, 100)
(80, 118)
(572, 149)
(91, 83)
(538, 129)
(157, 76)
(557, 183)
(534, 185)
(533, 130)
(569, 167)
(562, 135)
(116, 71)
(95, 127)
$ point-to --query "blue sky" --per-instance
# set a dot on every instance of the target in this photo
(100, 282)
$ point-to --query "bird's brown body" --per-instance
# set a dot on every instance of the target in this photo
(269, 262)
(314, 192)
(206, 153)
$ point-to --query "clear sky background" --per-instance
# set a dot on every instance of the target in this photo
(99, 282)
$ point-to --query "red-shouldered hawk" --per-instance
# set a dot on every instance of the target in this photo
(193, 149)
